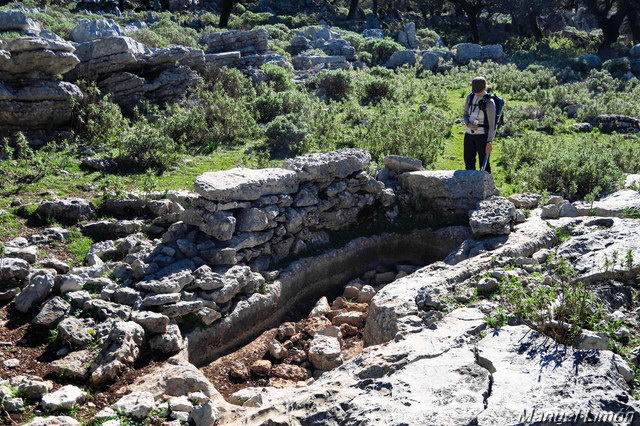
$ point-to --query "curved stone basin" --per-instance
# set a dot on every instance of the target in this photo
(311, 278)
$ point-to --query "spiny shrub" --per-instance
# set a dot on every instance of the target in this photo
(101, 124)
(148, 37)
(380, 49)
(403, 130)
(617, 65)
(145, 147)
(277, 31)
(171, 32)
(231, 81)
(278, 78)
(571, 167)
(336, 85)
(375, 89)
(287, 135)
(210, 119)
(271, 104)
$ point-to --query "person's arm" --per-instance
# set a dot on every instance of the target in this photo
(466, 116)
(491, 118)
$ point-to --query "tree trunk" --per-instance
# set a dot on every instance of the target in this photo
(374, 8)
(533, 23)
(633, 17)
(227, 7)
(610, 25)
(473, 12)
(353, 9)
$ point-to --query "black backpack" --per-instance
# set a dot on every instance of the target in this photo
(483, 106)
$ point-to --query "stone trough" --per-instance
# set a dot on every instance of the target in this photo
(308, 279)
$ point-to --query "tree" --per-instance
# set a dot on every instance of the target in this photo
(633, 19)
(227, 7)
(473, 9)
(353, 9)
(609, 14)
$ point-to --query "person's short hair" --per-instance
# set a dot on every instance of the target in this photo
(478, 85)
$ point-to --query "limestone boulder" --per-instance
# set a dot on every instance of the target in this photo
(137, 405)
(69, 209)
(449, 191)
(330, 165)
(494, 216)
(32, 57)
(401, 58)
(241, 184)
(39, 288)
(87, 30)
(17, 20)
(52, 312)
(325, 352)
(65, 398)
(612, 205)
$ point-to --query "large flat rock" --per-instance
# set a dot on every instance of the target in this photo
(241, 184)
(600, 246)
(327, 166)
(613, 205)
(535, 375)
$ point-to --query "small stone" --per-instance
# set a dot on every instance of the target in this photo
(262, 367)
(205, 414)
(351, 292)
(325, 352)
(355, 319)
(276, 350)
(290, 372)
(367, 293)
(181, 403)
(67, 397)
(137, 405)
(11, 363)
(286, 329)
(348, 330)
(592, 340)
(487, 285)
(320, 309)
(239, 371)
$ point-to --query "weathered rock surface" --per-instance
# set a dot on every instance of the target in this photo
(245, 184)
(592, 253)
(494, 216)
(329, 165)
(69, 210)
(612, 205)
(448, 191)
(39, 288)
(65, 398)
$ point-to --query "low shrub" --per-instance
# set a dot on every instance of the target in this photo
(380, 49)
(573, 167)
(402, 130)
(280, 79)
(287, 135)
(271, 104)
(335, 85)
(617, 65)
(375, 89)
(145, 147)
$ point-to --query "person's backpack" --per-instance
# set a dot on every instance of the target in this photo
(499, 107)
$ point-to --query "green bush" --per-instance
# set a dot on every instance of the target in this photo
(402, 130)
(287, 135)
(271, 104)
(278, 78)
(277, 31)
(336, 85)
(375, 89)
(380, 49)
(231, 81)
(148, 38)
(428, 37)
(617, 65)
(211, 119)
(249, 20)
(101, 124)
(145, 147)
(171, 32)
(573, 167)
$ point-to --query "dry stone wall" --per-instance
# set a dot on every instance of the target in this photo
(271, 213)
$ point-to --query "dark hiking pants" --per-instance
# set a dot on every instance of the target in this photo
(475, 147)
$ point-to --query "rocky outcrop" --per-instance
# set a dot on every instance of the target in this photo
(617, 204)
(31, 98)
(467, 52)
(615, 122)
(245, 42)
(317, 62)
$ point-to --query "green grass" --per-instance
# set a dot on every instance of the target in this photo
(78, 245)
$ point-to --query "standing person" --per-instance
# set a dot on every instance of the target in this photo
(480, 118)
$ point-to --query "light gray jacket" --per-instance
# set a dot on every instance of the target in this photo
(490, 117)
